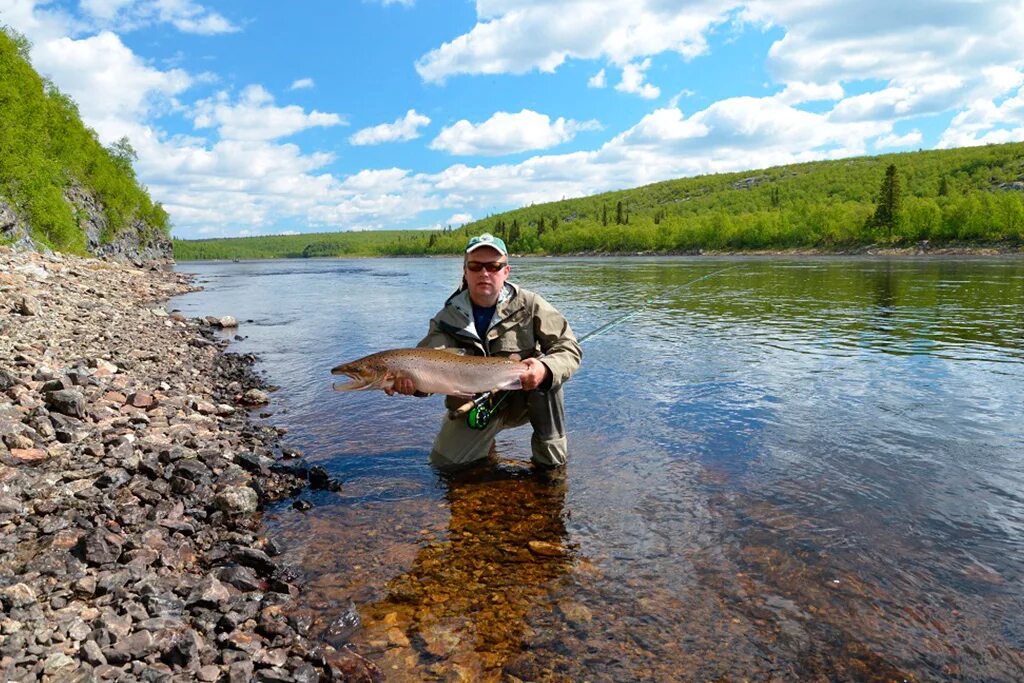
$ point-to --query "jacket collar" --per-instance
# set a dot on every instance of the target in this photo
(459, 303)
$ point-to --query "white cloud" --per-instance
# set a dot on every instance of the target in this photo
(633, 81)
(507, 133)
(255, 117)
(403, 129)
(926, 95)
(889, 141)
(114, 89)
(797, 92)
(301, 84)
(460, 219)
(523, 35)
(185, 15)
(597, 80)
(985, 122)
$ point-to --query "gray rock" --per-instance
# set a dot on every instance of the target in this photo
(242, 578)
(67, 402)
(18, 595)
(209, 591)
(237, 500)
(100, 547)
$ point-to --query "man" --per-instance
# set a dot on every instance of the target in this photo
(491, 317)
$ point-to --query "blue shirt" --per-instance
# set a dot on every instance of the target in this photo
(482, 320)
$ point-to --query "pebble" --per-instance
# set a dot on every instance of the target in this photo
(131, 541)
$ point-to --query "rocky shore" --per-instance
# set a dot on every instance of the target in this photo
(131, 480)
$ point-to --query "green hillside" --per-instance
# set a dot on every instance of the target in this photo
(973, 195)
(46, 150)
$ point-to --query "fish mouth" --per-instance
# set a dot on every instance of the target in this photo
(356, 380)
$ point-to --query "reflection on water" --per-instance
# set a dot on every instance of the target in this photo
(794, 469)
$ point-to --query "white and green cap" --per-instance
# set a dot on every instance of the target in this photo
(487, 240)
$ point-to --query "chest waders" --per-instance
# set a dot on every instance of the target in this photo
(481, 409)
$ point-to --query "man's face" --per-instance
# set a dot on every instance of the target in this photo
(484, 285)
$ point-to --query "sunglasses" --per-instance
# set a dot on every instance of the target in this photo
(492, 267)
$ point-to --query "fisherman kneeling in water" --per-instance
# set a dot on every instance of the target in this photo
(491, 317)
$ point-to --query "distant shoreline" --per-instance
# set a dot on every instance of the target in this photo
(917, 250)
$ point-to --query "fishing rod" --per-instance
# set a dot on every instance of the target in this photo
(480, 414)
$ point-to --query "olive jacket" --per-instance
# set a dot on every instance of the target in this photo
(523, 324)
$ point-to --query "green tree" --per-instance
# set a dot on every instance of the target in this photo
(887, 211)
(618, 212)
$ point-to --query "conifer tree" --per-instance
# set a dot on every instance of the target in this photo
(618, 212)
(888, 209)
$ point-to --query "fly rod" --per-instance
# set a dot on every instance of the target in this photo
(480, 418)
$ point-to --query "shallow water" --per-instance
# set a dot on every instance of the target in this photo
(794, 468)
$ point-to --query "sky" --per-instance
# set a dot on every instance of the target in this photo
(253, 118)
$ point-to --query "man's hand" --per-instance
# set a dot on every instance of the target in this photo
(402, 385)
(536, 374)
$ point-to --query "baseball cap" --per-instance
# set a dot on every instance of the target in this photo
(487, 240)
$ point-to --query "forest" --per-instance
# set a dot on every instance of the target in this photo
(965, 196)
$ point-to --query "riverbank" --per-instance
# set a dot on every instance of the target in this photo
(131, 479)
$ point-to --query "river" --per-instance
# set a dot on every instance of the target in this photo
(786, 468)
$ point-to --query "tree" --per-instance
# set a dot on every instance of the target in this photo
(22, 45)
(124, 155)
(604, 215)
(618, 212)
(944, 186)
(540, 226)
(513, 234)
(888, 210)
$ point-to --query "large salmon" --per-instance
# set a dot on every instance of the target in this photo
(432, 371)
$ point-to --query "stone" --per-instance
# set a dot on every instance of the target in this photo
(255, 397)
(237, 500)
(27, 306)
(227, 321)
(18, 595)
(545, 549)
(141, 399)
(255, 559)
(29, 454)
(242, 578)
(56, 662)
(100, 547)
(67, 402)
(209, 591)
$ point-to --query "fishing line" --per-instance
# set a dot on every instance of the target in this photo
(479, 415)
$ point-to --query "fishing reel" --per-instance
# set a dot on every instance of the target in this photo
(480, 410)
(479, 416)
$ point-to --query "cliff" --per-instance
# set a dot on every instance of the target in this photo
(60, 188)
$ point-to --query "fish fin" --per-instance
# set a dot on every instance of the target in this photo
(515, 357)
(513, 385)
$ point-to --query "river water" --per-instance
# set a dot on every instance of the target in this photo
(802, 468)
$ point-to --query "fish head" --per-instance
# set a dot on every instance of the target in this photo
(365, 373)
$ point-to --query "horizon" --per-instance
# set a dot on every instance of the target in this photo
(424, 114)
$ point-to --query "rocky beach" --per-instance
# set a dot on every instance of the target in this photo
(132, 475)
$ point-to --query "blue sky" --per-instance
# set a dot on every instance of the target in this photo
(261, 117)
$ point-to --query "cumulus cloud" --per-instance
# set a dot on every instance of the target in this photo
(797, 92)
(890, 141)
(302, 84)
(525, 35)
(986, 122)
(185, 15)
(508, 133)
(402, 130)
(597, 80)
(460, 219)
(113, 87)
(633, 81)
(255, 117)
